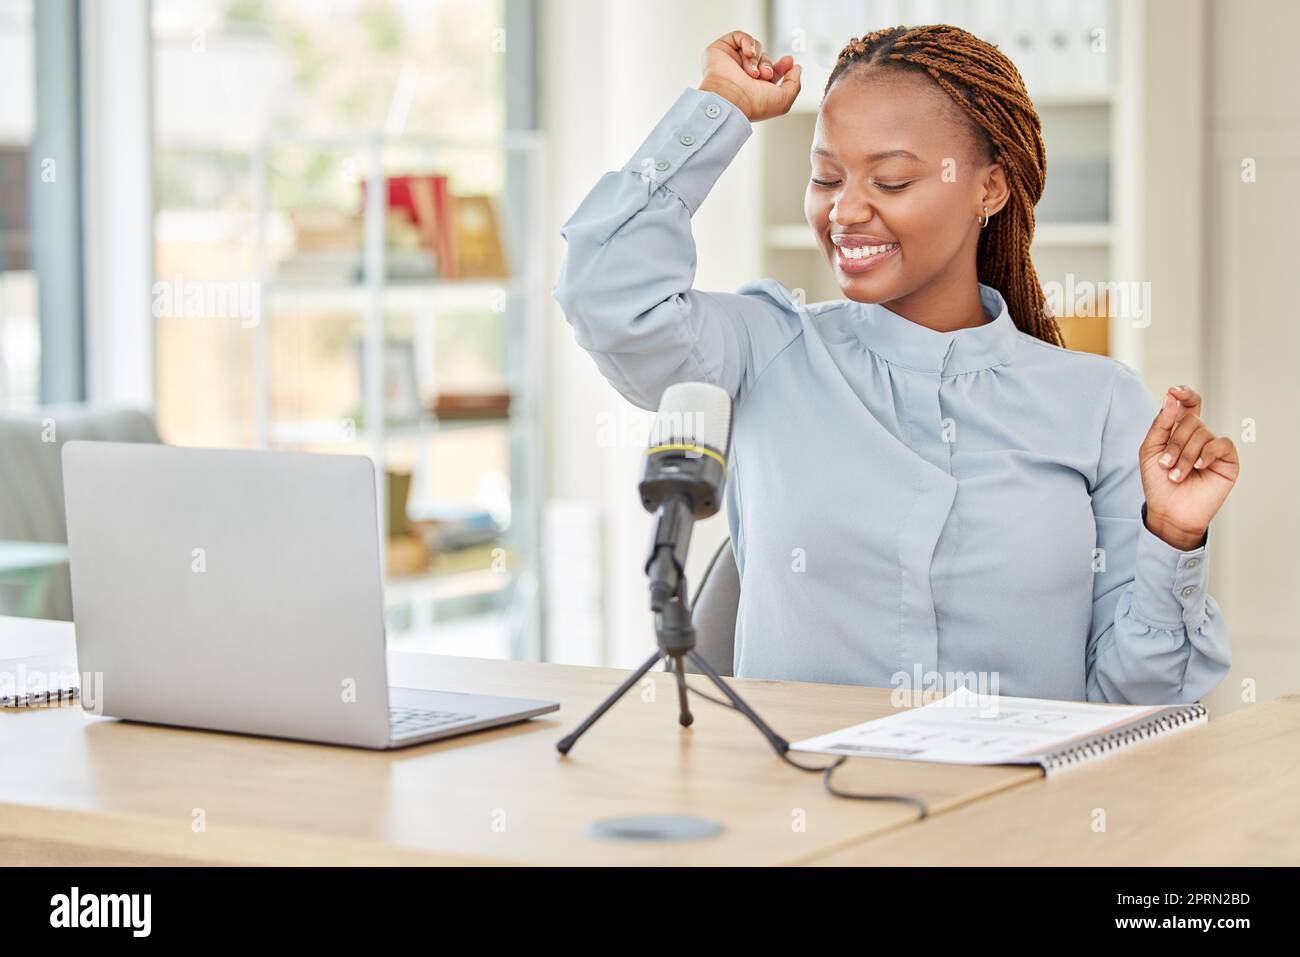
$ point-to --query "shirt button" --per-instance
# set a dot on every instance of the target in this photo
(1192, 562)
(661, 165)
(712, 110)
(686, 139)
(1189, 591)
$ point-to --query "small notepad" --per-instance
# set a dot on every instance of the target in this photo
(971, 728)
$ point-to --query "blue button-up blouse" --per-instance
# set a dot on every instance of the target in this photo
(908, 508)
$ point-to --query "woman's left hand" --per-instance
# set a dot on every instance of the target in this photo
(1187, 471)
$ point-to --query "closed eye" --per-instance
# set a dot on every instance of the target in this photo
(887, 187)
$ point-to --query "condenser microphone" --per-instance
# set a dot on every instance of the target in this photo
(682, 477)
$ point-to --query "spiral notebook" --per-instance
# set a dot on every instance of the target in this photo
(38, 682)
(966, 727)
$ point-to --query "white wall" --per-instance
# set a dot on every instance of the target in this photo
(610, 69)
(1161, 222)
(1249, 261)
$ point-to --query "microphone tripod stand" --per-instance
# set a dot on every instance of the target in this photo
(676, 638)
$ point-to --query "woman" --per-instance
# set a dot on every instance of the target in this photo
(924, 486)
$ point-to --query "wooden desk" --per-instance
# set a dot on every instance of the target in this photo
(1221, 794)
(83, 789)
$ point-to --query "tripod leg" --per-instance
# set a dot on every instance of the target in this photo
(684, 716)
(568, 741)
(779, 744)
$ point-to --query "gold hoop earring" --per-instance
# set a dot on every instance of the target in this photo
(984, 219)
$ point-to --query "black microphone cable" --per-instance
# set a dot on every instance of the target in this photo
(825, 770)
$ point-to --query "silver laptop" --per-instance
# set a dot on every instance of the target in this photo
(240, 591)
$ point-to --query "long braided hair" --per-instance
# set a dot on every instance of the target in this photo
(988, 88)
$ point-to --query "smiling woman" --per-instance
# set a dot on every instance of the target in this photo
(953, 189)
(922, 480)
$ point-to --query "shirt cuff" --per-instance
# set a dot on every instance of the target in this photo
(1170, 586)
(689, 148)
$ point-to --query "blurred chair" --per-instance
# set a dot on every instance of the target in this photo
(31, 497)
(713, 611)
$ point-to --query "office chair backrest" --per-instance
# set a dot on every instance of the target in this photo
(31, 477)
(714, 611)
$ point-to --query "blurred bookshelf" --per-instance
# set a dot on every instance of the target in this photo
(1068, 56)
(454, 438)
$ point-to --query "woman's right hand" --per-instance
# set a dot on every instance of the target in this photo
(735, 68)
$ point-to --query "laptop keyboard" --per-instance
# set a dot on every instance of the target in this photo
(404, 721)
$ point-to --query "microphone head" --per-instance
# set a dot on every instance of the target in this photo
(693, 413)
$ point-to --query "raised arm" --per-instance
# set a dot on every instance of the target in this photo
(1158, 636)
(627, 281)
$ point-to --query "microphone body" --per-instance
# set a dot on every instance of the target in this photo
(682, 477)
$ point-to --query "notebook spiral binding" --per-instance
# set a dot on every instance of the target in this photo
(39, 699)
(1123, 737)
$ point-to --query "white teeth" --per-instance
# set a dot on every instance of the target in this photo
(863, 251)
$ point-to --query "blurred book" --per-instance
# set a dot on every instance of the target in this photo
(409, 264)
(406, 555)
(405, 255)
(448, 524)
(326, 246)
(491, 556)
(423, 203)
(320, 268)
(399, 492)
(437, 213)
(472, 405)
(324, 229)
(479, 250)
(459, 237)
